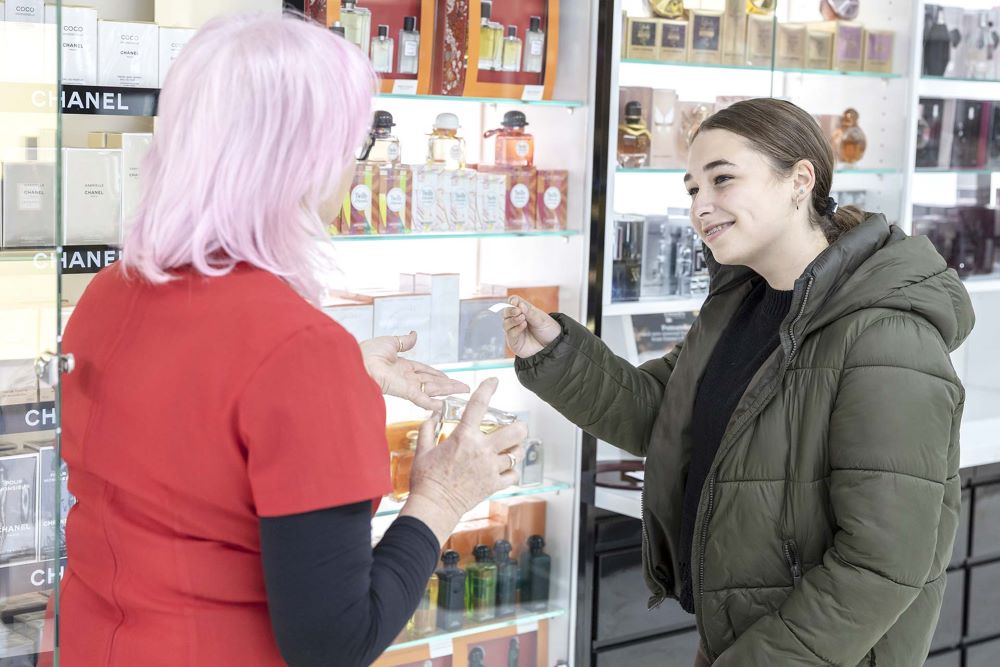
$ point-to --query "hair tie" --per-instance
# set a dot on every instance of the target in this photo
(830, 207)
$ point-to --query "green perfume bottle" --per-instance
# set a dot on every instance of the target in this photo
(507, 579)
(481, 586)
(536, 566)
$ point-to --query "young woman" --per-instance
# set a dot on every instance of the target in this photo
(802, 491)
(224, 437)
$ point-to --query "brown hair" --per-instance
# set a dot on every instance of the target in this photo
(786, 134)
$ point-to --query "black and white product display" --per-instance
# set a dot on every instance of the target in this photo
(92, 196)
(18, 505)
(128, 54)
(29, 205)
(51, 472)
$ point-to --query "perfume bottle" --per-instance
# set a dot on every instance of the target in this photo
(424, 619)
(477, 657)
(514, 147)
(849, 140)
(684, 239)
(382, 48)
(937, 46)
(513, 652)
(534, 45)
(452, 413)
(532, 468)
(409, 47)
(382, 147)
(338, 29)
(481, 586)
(536, 566)
(497, 45)
(511, 61)
(626, 265)
(633, 137)
(487, 37)
(357, 24)
(507, 579)
(400, 465)
(444, 147)
(451, 593)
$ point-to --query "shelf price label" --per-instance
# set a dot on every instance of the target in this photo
(440, 647)
(533, 93)
(404, 87)
(528, 627)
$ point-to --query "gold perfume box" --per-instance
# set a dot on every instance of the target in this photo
(819, 47)
(673, 40)
(760, 40)
(791, 47)
(878, 50)
(706, 37)
(848, 47)
(641, 38)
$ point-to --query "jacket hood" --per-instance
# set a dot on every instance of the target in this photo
(876, 265)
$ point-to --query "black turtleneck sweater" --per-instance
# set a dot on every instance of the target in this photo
(749, 339)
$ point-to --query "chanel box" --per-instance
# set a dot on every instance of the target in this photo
(172, 40)
(706, 37)
(357, 317)
(24, 11)
(92, 196)
(18, 506)
(791, 47)
(51, 471)
(134, 147)
(442, 345)
(878, 50)
(29, 204)
(78, 43)
(641, 38)
(128, 54)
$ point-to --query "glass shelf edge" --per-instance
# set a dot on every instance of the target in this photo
(479, 629)
(513, 492)
(348, 238)
(473, 367)
(651, 170)
(764, 68)
(560, 104)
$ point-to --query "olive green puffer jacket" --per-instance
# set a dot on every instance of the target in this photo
(830, 510)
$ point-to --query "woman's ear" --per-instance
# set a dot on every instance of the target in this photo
(803, 176)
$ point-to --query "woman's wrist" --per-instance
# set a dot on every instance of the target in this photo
(435, 515)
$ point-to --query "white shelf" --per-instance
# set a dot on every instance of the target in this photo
(958, 88)
(980, 442)
(628, 503)
(982, 284)
(653, 307)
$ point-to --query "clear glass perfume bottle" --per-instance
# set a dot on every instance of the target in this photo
(536, 566)
(382, 147)
(534, 46)
(382, 49)
(451, 593)
(633, 138)
(357, 24)
(409, 47)
(511, 61)
(452, 413)
(487, 37)
(497, 44)
(481, 586)
(444, 147)
(507, 579)
(514, 147)
(400, 465)
(424, 619)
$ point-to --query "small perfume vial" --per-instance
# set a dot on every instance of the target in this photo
(534, 46)
(511, 51)
(409, 47)
(382, 48)
(532, 469)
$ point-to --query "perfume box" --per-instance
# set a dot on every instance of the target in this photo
(51, 471)
(356, 217)
(848, 46)
(947, 135)
(993, 149)
(673, 40)
(971, 134)
(468, 534)
(128, 54)
(734, 29)
(641, 36)
(134, 147)
(706, 37)
(78, 43)
(442, 346)
(481, 335)
(24, 11)
(357, 317)
(460, 198)
(92, 196)
(172, 40)
(659, 254)
(690, 116)
(427, 211)
(393, 194)
(19, 486)
(878, 50)
(397, 314)
(491, 198)
(791, 46)
(760, 40)
(819, 47)
(663, 128)
(520, 198)
(18, 383)
(451, 47)
(521, 517)
(29, 204)
(543, 297)
(552, 198)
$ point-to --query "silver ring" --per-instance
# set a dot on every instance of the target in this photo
(513, 461)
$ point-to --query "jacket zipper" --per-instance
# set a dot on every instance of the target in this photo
(871, 658)
(794, 562)
(654, 600)
(791, 325)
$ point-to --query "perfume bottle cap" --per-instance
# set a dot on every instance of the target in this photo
(502, 550)
(338, 29)
(348, 3)
(514, 119)
(511, 31)
(383, 31)
(450, 557)
(486, 9)
(535, 23)
(633, 112)
(482, 553)
(383, 119)
(446, 121)
(411, 439)
(409, 23)
(536, 543)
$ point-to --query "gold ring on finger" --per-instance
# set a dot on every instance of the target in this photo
(513, 461)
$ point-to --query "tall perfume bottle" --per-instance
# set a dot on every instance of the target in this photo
(400, 465)
(534, 46)
(487, 37)
(511, 61)
(849, 140)
(481, 586)
(634, 138)
(626, 264)
(409, 47)
(513, 652)
(382, 147)
(382, 49)
(536, 566)
(684, 239)
(507, 579)
(514, 147)
(937, 46)
(451, 593)
(357, 24)
(444, 147)
(424, 619)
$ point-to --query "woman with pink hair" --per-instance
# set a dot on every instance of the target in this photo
(225, 439)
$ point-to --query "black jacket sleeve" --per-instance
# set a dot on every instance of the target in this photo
(334, 600)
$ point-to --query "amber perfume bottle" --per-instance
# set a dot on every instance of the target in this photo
(514, 146)
(382, 50)
(382, 147)
(451, 593)
(511, 60)
(400, 465)
(849, 140)
(487, 37)
(507, 579)
(536, 566)
(424, 619)
(357, 24)
(534, 46)
(633, 138)
(409, 47)
(444, 147)
(481, 586)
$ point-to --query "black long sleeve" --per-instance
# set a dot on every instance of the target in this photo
(334, 600)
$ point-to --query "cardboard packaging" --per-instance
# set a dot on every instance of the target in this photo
(706, 37)
(19, 484)
(690, 116)
(641, 38)
(663, 127)
(791, 47)
(172, 40)
(92, 196)
(357, 317)
(51, 471)
(24, 11)
(396, 314)
(848, 47)
(128, 54)
(760, 40)
(444, 289)
(521, 517)
(673, 40)
(553, 198)
(521, 198)
(428, 212)
(356, 217)
(394, 191)
(491, 201)
(878, 50)
(970, 136)
(929, 125)
(470, 533)
(460, 197)
(78, 43)
(18, 383)
(449, 69)
(134, 147)
(734, 31)
(819, 47)
(29, 204)
(481, 336)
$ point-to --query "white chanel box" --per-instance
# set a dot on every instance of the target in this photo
(29, 204)
(355, 316)
(92, 196)
(24, 11)
(78, 42)
(444, 291)
(172, 40)
(128, 54)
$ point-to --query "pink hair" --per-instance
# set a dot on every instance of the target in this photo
(259, 119)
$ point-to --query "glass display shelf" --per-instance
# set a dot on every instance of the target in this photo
(498, 101)
(390, 507)
(555, 233)
(931, 77)
(958, 171)
(763, 68)
(477, 366)
(840, 170)
(675, 305)
(524, 618)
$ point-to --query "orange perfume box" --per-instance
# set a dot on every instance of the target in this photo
(470, 533)
(522, 517)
